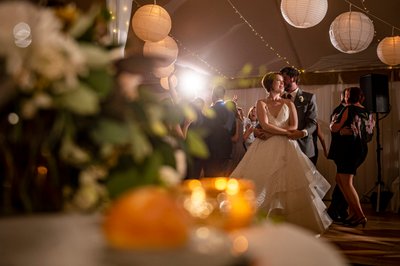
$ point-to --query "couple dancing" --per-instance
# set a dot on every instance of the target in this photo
(287, 184)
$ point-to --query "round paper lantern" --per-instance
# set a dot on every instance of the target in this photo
(351, 32)
(151, 23)
(304, 13)
(161, 72)
(173, 82)
(166, 49)
(389, 50)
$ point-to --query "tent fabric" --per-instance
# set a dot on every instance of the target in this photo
(218, 36)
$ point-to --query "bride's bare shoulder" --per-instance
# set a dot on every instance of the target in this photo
(262, 101)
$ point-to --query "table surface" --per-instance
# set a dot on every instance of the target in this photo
(75, 240)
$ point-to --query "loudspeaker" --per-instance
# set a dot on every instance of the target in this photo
(376, 91)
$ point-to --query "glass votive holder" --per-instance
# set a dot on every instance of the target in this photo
(225, 203)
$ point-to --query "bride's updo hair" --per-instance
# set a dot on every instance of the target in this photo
(268, 79)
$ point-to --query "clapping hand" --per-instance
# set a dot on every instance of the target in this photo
(235, 98)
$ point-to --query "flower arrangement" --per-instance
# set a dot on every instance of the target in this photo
(77, 128)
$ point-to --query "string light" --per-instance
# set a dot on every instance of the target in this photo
(120, 15)
(365, 10)
(267, 45)
(198, 57)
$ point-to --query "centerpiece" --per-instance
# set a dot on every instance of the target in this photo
(80, 125)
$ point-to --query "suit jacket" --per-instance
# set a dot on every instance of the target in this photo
(306, 108)
(220, 130)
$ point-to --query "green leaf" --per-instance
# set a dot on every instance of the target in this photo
(81, 100)
(109, 131)
(151, 168)
(100, 81)
(141, 147)
(196, 145)
(122, 181)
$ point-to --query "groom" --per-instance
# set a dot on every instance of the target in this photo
(306, 108)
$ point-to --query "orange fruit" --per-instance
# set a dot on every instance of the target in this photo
(146, 218)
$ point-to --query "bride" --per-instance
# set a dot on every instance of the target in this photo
(287, 184)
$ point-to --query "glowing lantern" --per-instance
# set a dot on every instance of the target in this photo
(166, 49)
(389, 50)
(304, 13)
(173, 82)
(161, 72)
(151, 23)
(351, 32)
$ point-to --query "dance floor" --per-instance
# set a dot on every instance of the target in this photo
(376, 244)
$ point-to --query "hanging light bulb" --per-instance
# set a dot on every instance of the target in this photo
(151, 23)
(304, 13)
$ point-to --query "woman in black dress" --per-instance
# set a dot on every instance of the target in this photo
(338, 208)
(355, 127)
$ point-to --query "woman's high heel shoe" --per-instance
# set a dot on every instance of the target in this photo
(357, 221)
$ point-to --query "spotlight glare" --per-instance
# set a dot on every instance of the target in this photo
(192, 83)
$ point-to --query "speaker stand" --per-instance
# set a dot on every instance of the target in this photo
(379, 184)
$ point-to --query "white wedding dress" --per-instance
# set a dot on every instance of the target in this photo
(287, 183)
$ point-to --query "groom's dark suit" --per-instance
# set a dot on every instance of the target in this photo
(306, 108)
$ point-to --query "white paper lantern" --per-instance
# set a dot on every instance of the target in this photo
(173, 82)
(304, 13)
(151, 23)
(161, 72)
(351, 32)
(166, 49)
(389, 50)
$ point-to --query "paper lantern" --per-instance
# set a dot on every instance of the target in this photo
(304, 13)
(173, 82)
(389, 50)
(166, 49)
(151, 23)
(161, 72)
(351, 32)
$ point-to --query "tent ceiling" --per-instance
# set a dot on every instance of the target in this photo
(215, 38)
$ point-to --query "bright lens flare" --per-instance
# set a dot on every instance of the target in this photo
(192, 83)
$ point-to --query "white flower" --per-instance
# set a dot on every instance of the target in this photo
(169, 176)
(180, 158)
(90, 192)
(301, 98)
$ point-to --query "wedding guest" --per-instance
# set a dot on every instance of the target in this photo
(250, 123)
(355, 127)
(319, 136)
(196, 164)
(287, 184)
(221, 128)
(337, 210)
(238, 148)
